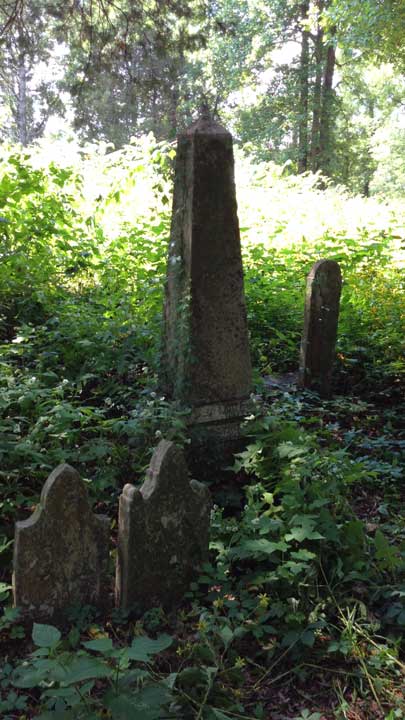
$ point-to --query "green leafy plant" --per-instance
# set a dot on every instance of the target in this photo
(68, 678)
(308, 572)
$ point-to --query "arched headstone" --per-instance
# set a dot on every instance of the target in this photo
(61, 551)
(162, 533)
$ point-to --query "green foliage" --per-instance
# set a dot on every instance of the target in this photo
(122, 681)
(116, 71)
(370, 328)
(67, 679)
(81, 323)
(297, 536)
(294, 571)
(44, 239)
(81, 285)
(298, 575)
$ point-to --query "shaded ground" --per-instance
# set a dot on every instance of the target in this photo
(314, 688)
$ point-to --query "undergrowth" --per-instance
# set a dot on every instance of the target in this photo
(305, 583)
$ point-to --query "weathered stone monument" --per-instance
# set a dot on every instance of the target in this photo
(163, 533)
(206, 360)
(318, 343)
(61, 551)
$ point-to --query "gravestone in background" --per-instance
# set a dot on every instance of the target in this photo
(162, 533)
(206, 360)
(318, 343)
(61, 551)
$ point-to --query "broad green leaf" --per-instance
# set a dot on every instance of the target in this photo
(308, 638)
(261, 545)
(28, 678)
(290, 638)
(124, 707)
(354, 532)
(143, 705)
(289, 450)
(387, 555)
(226, 635)
(170, 680)
(101, 645)
(300, 534)
(293, 567)
(154, 694)
(303, 554)
(85, 668)
(10, 615)
(191, 677)
(303, 530)
(45, 635)
(143, 648)
(268, 498)
(68, 693)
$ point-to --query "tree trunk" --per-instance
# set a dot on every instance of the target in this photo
(304, 93)
(371, 165)
(21, 110)
(327, 103)
(132, 90)
(156, 122)
(317, 99)
(174, 97)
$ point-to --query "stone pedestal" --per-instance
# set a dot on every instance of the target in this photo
(206, 360)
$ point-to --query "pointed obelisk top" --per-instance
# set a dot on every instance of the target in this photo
(205, 124)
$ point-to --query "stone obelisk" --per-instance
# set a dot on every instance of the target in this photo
(206, 360)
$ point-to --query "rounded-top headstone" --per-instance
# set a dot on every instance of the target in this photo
(61, 551)
(318, 344)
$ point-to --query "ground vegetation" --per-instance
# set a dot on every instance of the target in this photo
(299, 612)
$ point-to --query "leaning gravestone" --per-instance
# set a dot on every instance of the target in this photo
(162, 533)
(317, 355)
(61, 551)
(206, 359)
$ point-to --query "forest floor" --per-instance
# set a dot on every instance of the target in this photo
(360, 677)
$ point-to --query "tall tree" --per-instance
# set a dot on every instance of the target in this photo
(370, 109)
(303, 136)
(127, 64)
(125, 69)
(375, 28)
(26, 42)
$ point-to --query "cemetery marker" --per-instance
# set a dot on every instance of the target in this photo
(163, 533)
(317, 354)
(61, 551)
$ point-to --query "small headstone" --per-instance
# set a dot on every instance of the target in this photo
(318, 344)
(61, 551)
(163, 532)
(206, 358)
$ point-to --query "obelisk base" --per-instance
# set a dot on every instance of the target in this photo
(216, 435)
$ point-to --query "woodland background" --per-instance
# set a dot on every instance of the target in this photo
(318, 84)
(300, 612)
